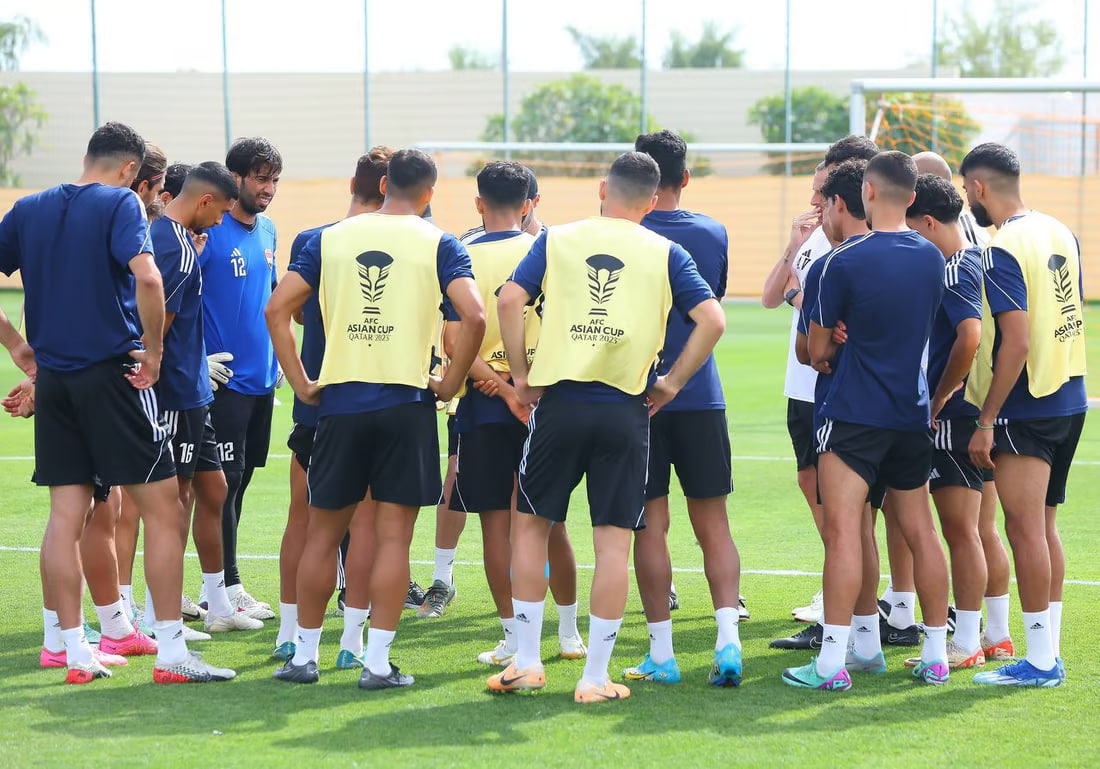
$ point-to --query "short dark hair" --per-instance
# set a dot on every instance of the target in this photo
(670, 152)
(851, 147)
(503, 184)
(116, 141)
(845, 181)
(532, 184)
(936, 197)
(174, 176)
(410, 172)
(369, 170)
(152, 165)
(252, 155)
(993, 157)
(214, 174)
(634, 176)
(896, 170)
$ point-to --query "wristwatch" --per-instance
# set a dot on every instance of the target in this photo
(790, 295)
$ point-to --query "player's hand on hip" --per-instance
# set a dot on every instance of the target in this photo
(146, 373)
(981, 448)
(310, 394)
(220, 373)
(659, 395)
(527, 395)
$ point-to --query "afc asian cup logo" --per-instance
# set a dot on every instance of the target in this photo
(374, 269)
(603, 275)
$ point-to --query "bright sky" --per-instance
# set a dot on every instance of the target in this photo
(327, 35)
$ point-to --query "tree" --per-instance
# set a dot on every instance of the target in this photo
(462, 57)
(20, 115)
(1002, 43)
(607, 52)
(580, 108)
(713, 49)
(910, 123)
(817, 115)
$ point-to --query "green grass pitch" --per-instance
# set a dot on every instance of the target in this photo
(448, 718)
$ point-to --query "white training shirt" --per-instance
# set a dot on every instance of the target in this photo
(800, 380)
(975, 235)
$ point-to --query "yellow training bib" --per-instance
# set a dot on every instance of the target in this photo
(379, 296)
(607, 299)
(493, 263)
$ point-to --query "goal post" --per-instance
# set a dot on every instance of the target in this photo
(857, 106)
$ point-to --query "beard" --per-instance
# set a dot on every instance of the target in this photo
(981, 216)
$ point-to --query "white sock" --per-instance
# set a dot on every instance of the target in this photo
(288, 623)
(509, 628)
(171, 648)
(1040, 645)
(968, 633)
(672, 587)
(77, 650)
(864, 635)
(51, 631)
(888, 594)
(306, 643)
(217, 599)
(601, 642)
(567, 620)
(660, 641)
(834, 648)
(150, 612)
(378, 650)
(996, 620)
(114, 622)
(528, 616)
(935, 644)
(903, 610)
(354, 622)
(1056, 627)
(444, 569)
(127, 592)
(234, 590)
(727, 619)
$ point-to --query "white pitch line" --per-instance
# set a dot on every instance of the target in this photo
(586, 566)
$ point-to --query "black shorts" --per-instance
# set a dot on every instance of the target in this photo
(393, 452)
(697, 443)
(488, 460)
(452, 436)
(1052, 440)
(606, 443)
(300, 444)
(951, 465)
(92, 427)
(242, 424)
(194, 447)
(800, 425)
(895, 459)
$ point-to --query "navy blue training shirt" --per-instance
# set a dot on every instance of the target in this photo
(962, 300)
(73, 245)
(707, 243)
(184, 373)
(238, 272)
(313, 332)
(887, 287)
(452, 262)
(688, 291)
(811, 287)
